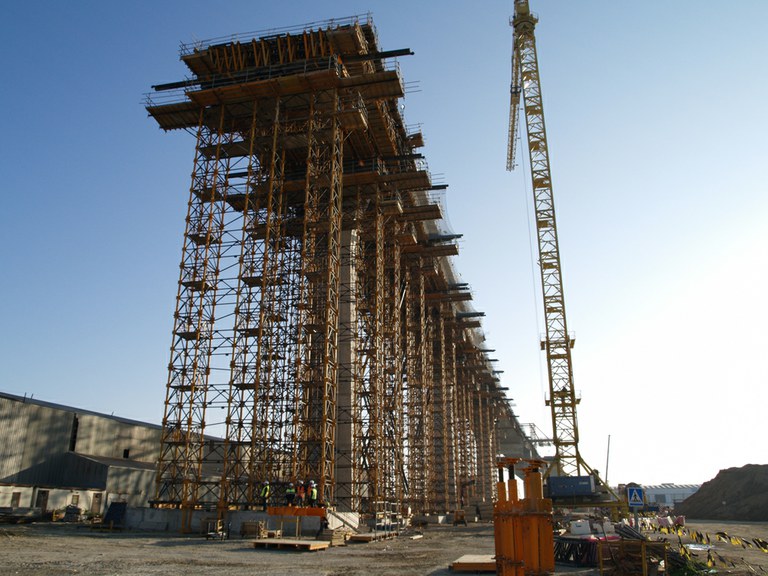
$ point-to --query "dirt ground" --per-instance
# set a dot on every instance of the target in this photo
(46, 549)
(59, 549)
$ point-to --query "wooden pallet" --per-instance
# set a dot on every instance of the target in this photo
(290, 544)
(474, 563)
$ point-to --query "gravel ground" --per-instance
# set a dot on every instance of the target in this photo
(59, 549)
(45, 549)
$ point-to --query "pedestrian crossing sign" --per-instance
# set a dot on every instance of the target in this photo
(635, 497)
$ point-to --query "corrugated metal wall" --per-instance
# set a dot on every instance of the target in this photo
(39, 434)
(134, 486)
(100, 436)
(13, 431)
(36, 439)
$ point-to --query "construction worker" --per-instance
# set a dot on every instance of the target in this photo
(290, 494)
(301, 492)
(312, 494)
(265, 492)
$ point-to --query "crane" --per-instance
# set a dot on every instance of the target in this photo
(526, 87)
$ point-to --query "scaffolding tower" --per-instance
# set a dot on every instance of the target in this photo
(320, 332)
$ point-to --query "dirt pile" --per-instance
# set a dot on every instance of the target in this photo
(734, 494)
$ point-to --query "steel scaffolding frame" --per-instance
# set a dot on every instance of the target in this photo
(181, 477)
(315, 333)
(321, 266)
(452, 420)
(418, 358)
(392, 398)
(441, 442)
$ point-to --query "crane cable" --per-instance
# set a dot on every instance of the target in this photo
(533, 253)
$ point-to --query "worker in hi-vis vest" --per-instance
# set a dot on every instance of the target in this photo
(290, 494)
(312, 493)
(265, 491)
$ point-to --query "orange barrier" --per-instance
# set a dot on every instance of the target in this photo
(295, 511)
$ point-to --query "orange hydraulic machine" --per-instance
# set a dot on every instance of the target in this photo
(522, 528)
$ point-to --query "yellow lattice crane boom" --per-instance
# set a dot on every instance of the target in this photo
(526, 87)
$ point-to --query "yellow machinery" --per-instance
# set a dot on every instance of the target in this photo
(523, 527)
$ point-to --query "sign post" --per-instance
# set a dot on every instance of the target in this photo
(635, 500)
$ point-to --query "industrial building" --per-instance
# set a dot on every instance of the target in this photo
(666, 495)
(54, 456)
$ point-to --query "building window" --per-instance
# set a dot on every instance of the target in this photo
(15, 499)
(75, 499)
(126, 452)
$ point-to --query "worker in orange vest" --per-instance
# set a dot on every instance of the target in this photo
(301, 492)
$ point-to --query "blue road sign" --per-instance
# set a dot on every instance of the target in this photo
(635, 497)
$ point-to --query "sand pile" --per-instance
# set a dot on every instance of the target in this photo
(734, 494)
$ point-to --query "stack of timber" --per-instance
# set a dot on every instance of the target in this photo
(291, 544)
(374, 536)
(336, 536)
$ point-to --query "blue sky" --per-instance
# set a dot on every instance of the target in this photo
(656, 119)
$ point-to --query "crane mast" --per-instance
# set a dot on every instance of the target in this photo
(562, 399)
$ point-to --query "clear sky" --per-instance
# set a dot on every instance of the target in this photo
(657, 123)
